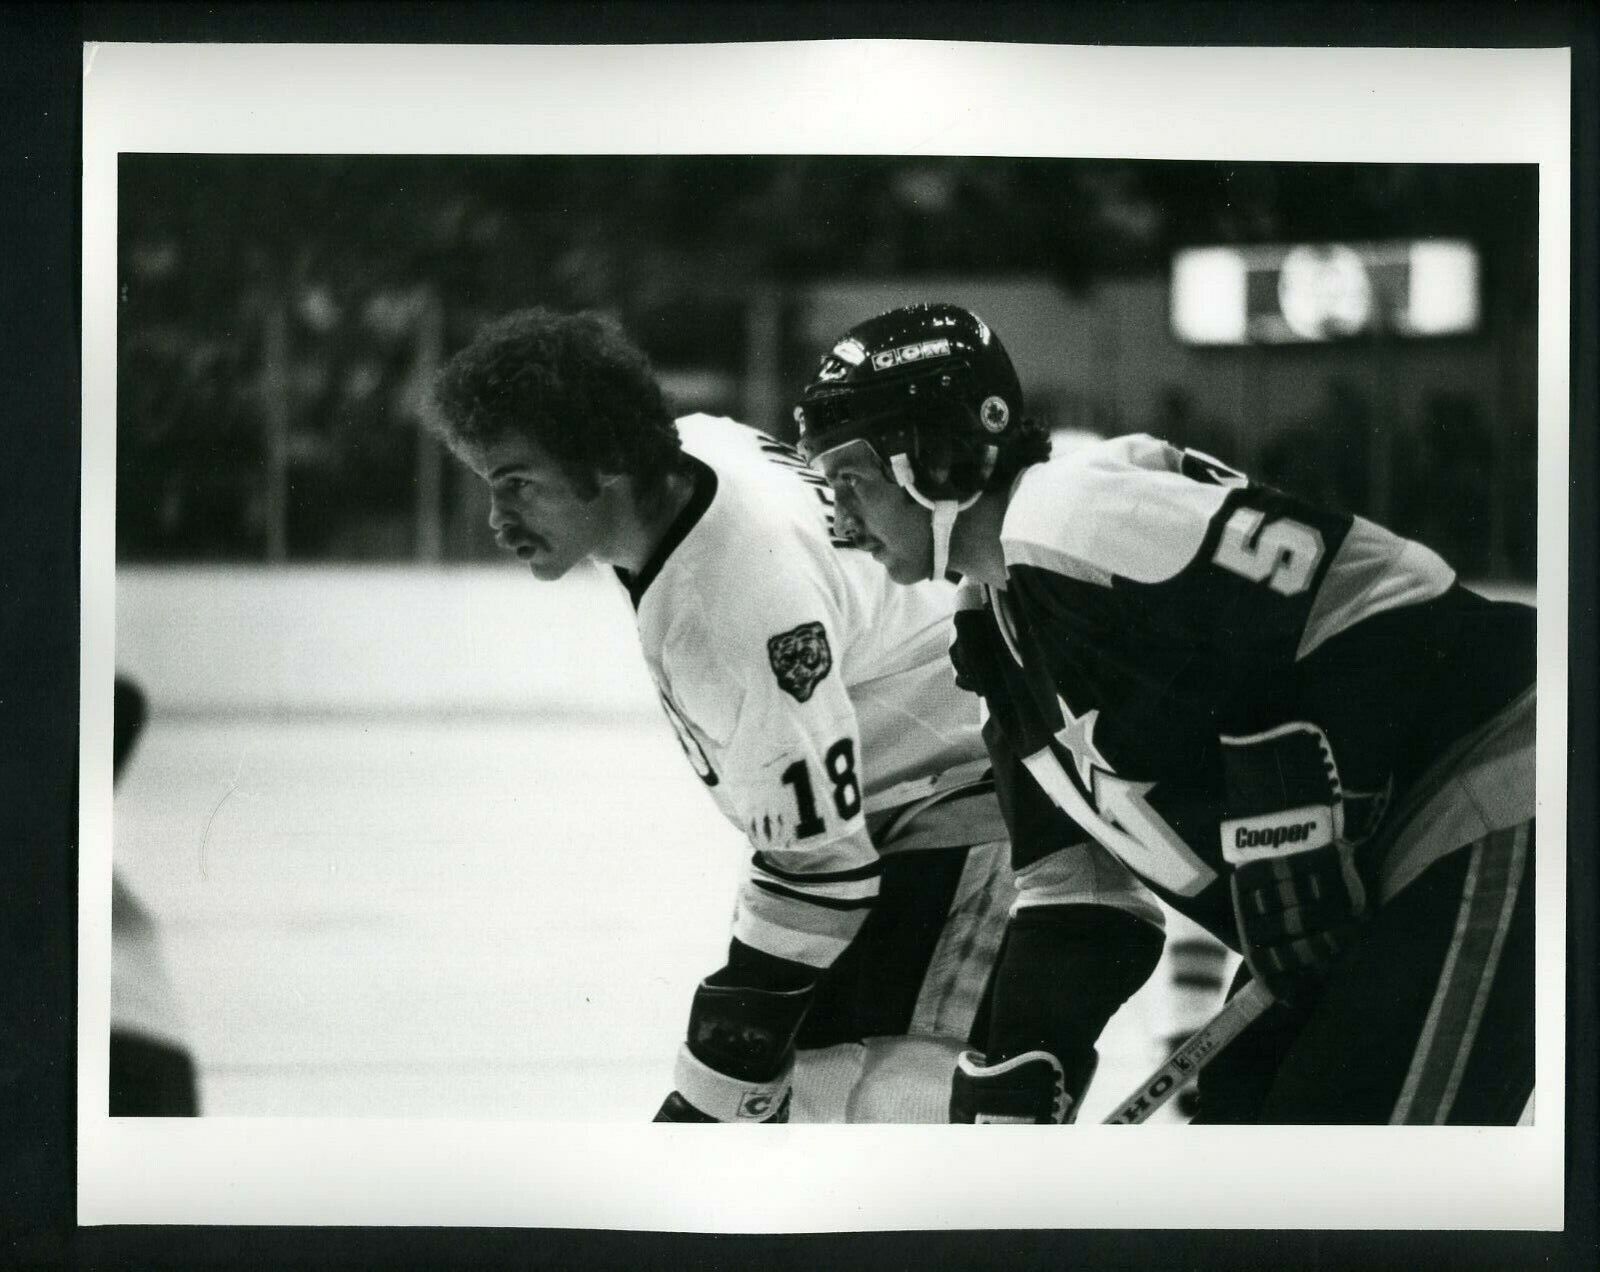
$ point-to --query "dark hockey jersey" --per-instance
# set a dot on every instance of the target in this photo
(1157, 601)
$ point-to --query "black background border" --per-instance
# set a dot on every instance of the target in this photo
(40, 234)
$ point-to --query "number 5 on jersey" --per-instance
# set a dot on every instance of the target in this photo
(1283, 554)
(840, 762)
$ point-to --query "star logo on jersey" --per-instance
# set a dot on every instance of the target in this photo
(800, 659)
(1147, 842)
(1077, 735)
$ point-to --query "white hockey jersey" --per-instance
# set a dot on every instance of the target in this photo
(808, 690)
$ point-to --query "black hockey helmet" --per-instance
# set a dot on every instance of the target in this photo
(930, 382)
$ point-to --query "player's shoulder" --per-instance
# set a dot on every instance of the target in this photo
(756, 474)
(756, 550)
(1116, 507)
(710, 436)
(730, 446)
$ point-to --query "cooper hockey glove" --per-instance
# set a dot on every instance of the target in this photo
(1029, 1089)
(1297, 896)
(738, 1062)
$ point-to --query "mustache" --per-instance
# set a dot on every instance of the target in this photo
(511, 542)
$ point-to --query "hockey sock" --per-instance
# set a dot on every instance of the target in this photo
(1104, 955)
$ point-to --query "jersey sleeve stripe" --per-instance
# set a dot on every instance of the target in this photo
(815, 949)
(847, 890)
(796, 928)
(765, 864)
(811, 898)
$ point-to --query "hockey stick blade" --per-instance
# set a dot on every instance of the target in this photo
(1193, 1056)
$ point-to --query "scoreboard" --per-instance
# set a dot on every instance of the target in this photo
(1304, 293)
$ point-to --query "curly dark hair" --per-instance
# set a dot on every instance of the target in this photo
(573, 384)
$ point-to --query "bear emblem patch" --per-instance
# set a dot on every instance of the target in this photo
(800, 658)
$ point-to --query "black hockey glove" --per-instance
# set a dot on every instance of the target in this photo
(1297, 897)
(738, 1062)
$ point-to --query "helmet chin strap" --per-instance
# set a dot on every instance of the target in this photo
(944, 512)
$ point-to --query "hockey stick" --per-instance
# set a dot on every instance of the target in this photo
(1193, 1056)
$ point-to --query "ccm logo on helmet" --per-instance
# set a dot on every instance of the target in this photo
(1272, 836)
(939, 348)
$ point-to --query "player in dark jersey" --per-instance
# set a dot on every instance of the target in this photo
(1298, 728)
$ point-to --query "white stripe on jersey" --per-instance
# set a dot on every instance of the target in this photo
(1482, 784)
(847, 884)
(961, 963)
(802, 933)
(1488, 900)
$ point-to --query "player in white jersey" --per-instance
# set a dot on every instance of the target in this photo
(817, 703)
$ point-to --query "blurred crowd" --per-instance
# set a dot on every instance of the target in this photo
(280, 316)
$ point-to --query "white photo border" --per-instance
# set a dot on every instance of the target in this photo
(825, 97)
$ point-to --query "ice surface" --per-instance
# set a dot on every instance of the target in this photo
(465, 917)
